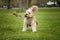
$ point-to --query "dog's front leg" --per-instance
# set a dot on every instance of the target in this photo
(33, 27)
(24, 26)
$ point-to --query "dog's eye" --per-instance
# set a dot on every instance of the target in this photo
(29, 12)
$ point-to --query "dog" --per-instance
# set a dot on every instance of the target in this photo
(29, 18)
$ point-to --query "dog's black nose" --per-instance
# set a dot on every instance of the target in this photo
(26, 14)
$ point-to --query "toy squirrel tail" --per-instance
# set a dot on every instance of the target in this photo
(17, 15)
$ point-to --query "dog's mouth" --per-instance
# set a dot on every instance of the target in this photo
(28, 17)
(25, 16)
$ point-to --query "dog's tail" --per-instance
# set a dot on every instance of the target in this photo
(17, 15)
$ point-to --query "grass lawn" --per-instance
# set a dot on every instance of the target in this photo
(48, 28)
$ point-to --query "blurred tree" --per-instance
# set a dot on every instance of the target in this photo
(6, 2)
(1, 3)
(21, 4)
(29, 3)
(34, 2)
(8, 5)
(58, 1)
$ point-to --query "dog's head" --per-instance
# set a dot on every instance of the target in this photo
(30, 12)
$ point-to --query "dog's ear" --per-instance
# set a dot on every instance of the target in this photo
(34, 8)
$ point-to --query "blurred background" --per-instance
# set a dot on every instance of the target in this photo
(48, 17)
(23, 4)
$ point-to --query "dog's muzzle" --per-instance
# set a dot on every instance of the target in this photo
(26, 15)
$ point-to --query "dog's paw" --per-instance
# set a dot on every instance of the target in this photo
(33, 31)
(23, 31)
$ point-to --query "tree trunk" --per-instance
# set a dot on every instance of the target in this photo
(8, 5)
(34, 2)
(29, 3)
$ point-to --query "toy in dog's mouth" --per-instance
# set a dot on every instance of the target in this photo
(28, 17)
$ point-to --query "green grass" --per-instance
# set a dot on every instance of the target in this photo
(48, 28)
